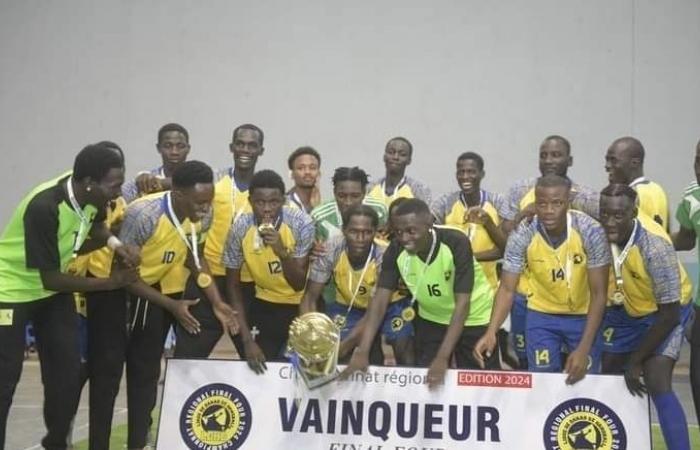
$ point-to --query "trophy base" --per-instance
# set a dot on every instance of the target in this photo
(313, 382)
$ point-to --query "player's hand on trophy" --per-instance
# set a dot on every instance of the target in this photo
(576, 366)
(147, 183)
(484, 348)
(255, 357)
(633, 373)
(227, 317)
(180, 309)
(436, 372)
(358, 363)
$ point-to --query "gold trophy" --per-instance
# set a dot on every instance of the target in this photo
(312, 348)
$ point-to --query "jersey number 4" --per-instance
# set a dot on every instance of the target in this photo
(557, 274)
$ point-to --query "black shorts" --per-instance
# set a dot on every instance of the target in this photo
(429, 337)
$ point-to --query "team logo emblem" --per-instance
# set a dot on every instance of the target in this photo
(584, 424)
(448, 275)
(578, 258)
(215, 417)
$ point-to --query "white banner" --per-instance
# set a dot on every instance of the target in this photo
(223, 405)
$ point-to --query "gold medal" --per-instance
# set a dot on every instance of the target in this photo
(618, 297)
(265, 227)
(408, 314)
(204, 280)
(340, 321)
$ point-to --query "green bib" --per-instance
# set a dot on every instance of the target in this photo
(18, 283)
(433, 288)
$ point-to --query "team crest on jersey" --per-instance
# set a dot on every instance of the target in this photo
(448, 275)
(578, 258)
(584, 424)
(215, 417)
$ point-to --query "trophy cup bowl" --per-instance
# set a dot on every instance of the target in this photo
(313, 348)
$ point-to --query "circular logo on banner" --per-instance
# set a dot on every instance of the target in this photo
(215, 417)
(584, 424)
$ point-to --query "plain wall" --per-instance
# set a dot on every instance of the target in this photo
(344, 77)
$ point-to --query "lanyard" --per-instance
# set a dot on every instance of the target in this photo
(294, 198)
(620, 256)
(192, 245)
(431, 253)
(471, 231)
(359, 282)
(84, 221)
(393, 195)
(567, 267)
(638, 181)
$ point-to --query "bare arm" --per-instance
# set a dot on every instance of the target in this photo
(577, 363)
(684, 239)
(252, 352)
(57, 281)
(501, 308)
(311, 294)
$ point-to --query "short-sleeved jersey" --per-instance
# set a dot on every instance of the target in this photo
(688, 216)
(651, 272)
(130, 191)
(522, 194)
(244, 245)
(451, 270)
(329, 221)
(40, 236)
(230, 202)
(335, 265)
(450, 209)
(652, 200)
(99, 262)
(407, 188)
(558, 277)
(163, 252)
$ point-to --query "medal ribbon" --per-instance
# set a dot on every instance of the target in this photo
(431, 253)
(620, 256)
(567, 267)
(359, 282)
(170, 212)
(84, 221)
(392, 197)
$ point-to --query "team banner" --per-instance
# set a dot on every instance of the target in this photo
(223, 405)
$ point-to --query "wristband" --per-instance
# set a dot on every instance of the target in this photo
(113, 242)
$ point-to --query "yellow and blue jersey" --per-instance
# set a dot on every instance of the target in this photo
(651, 272)
(558, 276)
(163, 252)
(652, 201)
(450, 209)
(230, 202)
(245, 246)
(335, 265)
(407, 188)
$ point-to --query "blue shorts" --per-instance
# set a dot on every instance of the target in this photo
(623, 333)
(547, 335)
(518, 312)
(393, 326)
